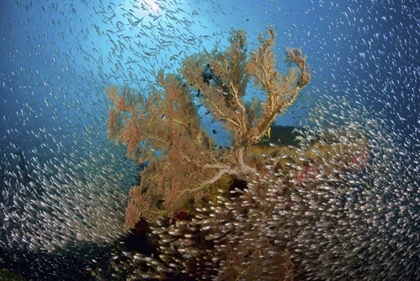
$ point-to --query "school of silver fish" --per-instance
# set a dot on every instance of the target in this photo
(64, 185)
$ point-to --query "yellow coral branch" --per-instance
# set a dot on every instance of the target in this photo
(168, 121)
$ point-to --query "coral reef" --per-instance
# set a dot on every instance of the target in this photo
(247, 230)
(163, 129)
(215, 243)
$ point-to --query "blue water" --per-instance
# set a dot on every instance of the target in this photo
(66, 53)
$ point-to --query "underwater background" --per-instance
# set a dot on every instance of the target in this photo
(64, 184)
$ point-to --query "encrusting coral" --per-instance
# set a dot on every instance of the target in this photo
(163, 130)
